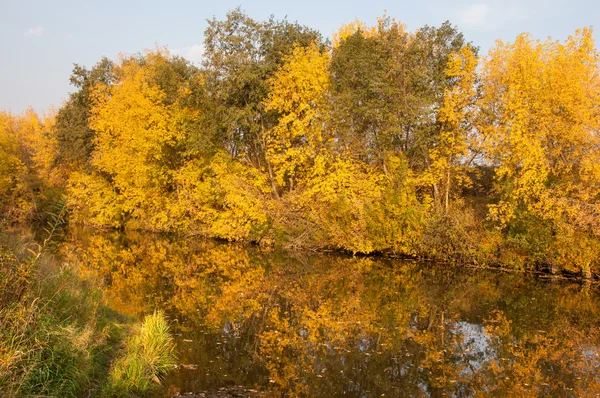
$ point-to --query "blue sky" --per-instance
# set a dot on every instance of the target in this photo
(41, 40)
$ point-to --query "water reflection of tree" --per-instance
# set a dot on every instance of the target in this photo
(309, 325)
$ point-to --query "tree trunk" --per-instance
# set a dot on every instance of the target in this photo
(447, 195)
(269, 168)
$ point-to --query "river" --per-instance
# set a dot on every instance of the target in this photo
(314, 324)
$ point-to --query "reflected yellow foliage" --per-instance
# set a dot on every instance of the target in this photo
(309, 324)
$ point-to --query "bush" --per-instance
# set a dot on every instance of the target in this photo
(455, 236)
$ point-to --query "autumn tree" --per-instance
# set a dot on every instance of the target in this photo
(365, 97)
(139, 128)
(456, 116)
(387, 85)
(363, 144)
(30, 184)
(540, 114)
(75, 138)
(241, 55)
(297, 96)
(10, 163)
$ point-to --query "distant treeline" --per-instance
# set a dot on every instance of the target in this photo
(382, 140)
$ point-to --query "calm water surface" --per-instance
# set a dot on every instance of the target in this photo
(329, 325)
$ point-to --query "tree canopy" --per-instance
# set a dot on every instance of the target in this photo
(382, 140)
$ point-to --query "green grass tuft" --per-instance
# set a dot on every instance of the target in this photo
(148, 355)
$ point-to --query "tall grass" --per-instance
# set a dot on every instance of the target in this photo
(53, 344)
(52, 337)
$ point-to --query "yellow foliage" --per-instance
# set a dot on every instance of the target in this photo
(456, 118)
(540, 119)
(159, 142)
(29, 180)
(297, 94)
(347, 204)
(337, 195)
(135, 132)
(224, 199)
(351, 28)
(93, 201)
(10, 164)
(137, 143)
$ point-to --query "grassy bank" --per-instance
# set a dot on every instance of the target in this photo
(58, 339)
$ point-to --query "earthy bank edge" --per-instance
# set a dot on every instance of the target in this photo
(230, 392)
(58, 339)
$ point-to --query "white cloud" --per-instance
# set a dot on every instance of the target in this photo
(35, 32)
(474, 16)
(69, 36)
(193, 53)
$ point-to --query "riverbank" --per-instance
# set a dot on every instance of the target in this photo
(57, 337)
